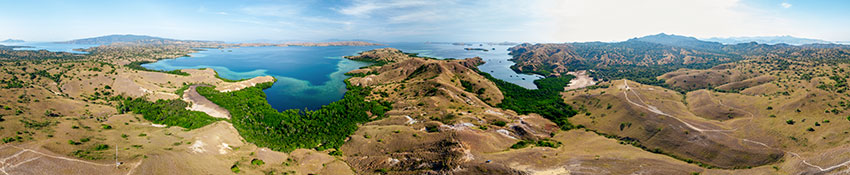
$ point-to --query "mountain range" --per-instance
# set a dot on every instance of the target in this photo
(140, 39)
(12, 41)
(769, 40)
(644, 58)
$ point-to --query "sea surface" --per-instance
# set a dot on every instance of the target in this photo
(50, 46)
(309, 77)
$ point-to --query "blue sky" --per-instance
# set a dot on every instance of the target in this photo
(423, 20)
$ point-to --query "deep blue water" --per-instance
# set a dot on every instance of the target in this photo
(53, 47)
(309, 77)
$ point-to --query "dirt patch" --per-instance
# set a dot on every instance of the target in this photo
(582, 80)
(199, 103)
(244, 84)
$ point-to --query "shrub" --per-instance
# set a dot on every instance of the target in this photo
(257, 162)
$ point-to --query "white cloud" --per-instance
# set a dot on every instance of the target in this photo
(366, 7)
(608, 20)
(272, 10)
(785, 5)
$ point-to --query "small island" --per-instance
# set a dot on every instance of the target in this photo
(480, 49)
(12, 41)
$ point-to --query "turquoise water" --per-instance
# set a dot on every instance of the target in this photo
(309, 77)
(53, 47)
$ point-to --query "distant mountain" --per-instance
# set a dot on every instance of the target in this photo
(644, 58)
(12, 41)
(679, 41)
(338, 40)
(769, 40)
(109, 39)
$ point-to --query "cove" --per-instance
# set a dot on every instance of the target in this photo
(309, 77)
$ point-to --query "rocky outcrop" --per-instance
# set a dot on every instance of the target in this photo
(381, 55)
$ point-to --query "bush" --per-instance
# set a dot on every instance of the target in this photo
(432, 128)
(234, 168)
(257, 162)
(500, 123)
(101, 147)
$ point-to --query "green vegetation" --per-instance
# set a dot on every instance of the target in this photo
(257, 162)
(235, 168)
(545, 100)
(168, 112)
(362, 74)
(432, 128)
(37, 125)
(101, 147)
(13, 82)
(540, 143)
(137, 65)
(321, 129)
(500, 123)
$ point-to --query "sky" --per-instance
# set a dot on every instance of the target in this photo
(423, 20)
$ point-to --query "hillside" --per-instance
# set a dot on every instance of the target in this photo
(643, 59)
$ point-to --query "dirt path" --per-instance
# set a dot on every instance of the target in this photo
(655, 110)
(11, 162)
(200, 103)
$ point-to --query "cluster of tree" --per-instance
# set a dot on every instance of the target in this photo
(361, 74)
(325, 128)
(13, 82)
(539, 143)
(545, 100)
(137, 65)
(167, 112)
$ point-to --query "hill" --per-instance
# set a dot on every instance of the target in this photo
(645, 58)
(12, 41)
(109, 39)
(769, 40)
(680, 41)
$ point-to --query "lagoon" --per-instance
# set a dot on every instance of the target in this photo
(309, 77)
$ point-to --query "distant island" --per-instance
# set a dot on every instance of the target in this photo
(138, 39)
(769, 40)
(479, 49)
(12, 41)
(144, 39)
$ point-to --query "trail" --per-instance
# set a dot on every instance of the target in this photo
(4, 165)
(655, 110)
(821, 169)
